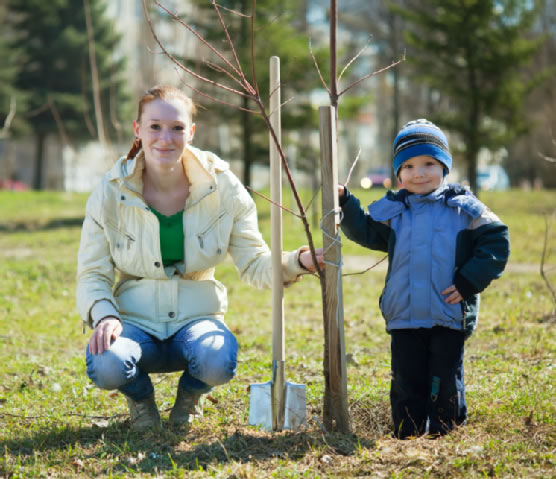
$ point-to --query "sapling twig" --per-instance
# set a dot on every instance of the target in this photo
(272, 202)
(352, 167)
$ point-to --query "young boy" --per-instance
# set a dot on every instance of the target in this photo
(444, 247)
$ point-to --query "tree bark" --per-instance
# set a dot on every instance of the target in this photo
(39, 161)
(335, 404)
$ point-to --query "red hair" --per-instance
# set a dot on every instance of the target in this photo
(160, 92)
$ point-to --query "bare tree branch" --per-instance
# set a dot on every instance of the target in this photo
(271, 112)
(183, 67)
(220, 69)
(313, 198)
(199, 37)
(272, 202)
(217, 100)
(318, 69)
(235, 12)
(9, 118)
(352, 167)
(548, 158)
(368, 269)
(393, 64)
(247, 85)
(355, 58)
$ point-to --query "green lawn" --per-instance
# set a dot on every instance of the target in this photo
(53, 423)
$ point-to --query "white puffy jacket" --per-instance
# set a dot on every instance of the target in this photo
(121, 234)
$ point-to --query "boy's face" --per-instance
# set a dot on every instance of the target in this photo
(421, 174)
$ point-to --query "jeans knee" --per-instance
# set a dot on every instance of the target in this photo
(215, 370)
(111, 369)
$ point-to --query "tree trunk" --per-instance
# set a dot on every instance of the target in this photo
(471, 157)
(39, 161)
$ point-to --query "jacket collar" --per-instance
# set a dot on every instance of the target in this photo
(201, 168)
(453, 195)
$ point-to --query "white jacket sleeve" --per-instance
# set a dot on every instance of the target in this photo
(95, 268)
(248, 249)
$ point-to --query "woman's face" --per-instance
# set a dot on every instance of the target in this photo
(165, 128)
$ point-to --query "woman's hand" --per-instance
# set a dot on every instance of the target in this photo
(306, 260)
(107, 330)
(454, 295)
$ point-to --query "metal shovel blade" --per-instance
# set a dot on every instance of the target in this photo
(261, 407)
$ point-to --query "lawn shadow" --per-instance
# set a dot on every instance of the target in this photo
(165, 449)
(35, 225)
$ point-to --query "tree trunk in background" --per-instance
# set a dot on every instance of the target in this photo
(471, 153)
(247, 152)
(395, 92)
(39, 160)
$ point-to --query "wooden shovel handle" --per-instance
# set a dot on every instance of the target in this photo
(278, 344)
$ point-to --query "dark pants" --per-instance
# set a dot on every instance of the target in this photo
(427, 381)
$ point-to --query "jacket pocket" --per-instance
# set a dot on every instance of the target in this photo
(213, 239)
(123, 244)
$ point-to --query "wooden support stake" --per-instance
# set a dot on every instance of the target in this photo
(335, 407)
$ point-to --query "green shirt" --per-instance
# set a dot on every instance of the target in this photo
(171, 237)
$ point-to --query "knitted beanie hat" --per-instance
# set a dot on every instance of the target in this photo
(421, 137)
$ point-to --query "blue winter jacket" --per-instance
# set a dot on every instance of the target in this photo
(433, 241)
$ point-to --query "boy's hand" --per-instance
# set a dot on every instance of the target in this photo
(341, 190)
(454, 295)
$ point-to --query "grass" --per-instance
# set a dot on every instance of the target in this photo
(53, 423)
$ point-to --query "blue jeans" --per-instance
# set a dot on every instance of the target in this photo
(205, 350)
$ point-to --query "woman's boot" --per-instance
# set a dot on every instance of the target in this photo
(185, 405)
(144, 414)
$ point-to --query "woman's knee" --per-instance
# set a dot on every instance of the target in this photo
(114, 367)
(216, 360)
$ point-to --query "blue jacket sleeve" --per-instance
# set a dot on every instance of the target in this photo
(490, 253)
(359, 227)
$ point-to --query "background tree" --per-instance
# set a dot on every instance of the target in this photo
(525, 162)
(471, 54)
(10, 98)
(55, 72)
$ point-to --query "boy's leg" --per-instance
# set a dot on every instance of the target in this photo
(119, 367)
(446, 405)
(409, 386)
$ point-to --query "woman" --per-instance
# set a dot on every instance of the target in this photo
(164, 217)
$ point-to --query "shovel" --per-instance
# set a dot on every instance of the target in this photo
(277, 404)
